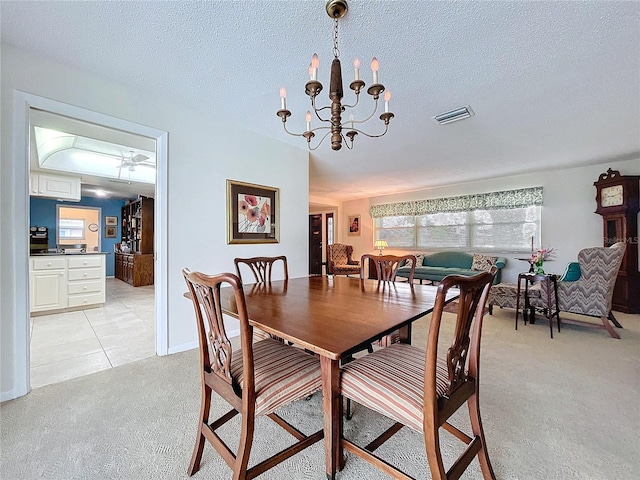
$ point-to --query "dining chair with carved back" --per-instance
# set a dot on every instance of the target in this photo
(261, 267)
(386, 268)
(422, 389)
(262, 270)
(255, 380)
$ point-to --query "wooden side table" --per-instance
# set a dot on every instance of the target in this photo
(551, 302)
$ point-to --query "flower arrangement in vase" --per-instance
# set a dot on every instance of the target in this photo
(537, 259)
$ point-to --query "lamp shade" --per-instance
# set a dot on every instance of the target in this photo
(380, 244)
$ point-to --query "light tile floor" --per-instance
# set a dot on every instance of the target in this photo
(73, 344)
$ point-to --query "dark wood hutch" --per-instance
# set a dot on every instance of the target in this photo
(136, 267)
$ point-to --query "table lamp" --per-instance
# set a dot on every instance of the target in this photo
(380, 244)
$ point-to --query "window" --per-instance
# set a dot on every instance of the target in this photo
(500, 221)
(71, 229)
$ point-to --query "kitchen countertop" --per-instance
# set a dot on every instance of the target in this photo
(53, 254)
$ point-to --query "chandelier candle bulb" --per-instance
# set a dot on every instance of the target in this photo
(308, 117)
(374, 69)
(283, 98)
(315, 62)
(356, 68)
(387, 97)
(351, 120)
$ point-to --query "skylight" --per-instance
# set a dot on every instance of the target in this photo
(72, 153)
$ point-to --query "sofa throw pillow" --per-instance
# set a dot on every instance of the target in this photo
(483, 263)
(408, 262)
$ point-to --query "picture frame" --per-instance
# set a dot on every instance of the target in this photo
(353, 225)
(111, 231)
(110, 221)
(253, 213)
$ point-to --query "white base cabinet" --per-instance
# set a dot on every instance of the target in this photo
(66, 281)
(48, 283)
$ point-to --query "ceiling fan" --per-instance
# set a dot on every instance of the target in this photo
(133, 161)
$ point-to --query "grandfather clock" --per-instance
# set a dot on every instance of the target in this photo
(618, 202)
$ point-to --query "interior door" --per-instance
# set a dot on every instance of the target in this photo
(315, 244)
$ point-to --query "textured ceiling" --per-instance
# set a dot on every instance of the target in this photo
(552, 84)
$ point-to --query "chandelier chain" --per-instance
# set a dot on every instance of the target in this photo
(336, 51)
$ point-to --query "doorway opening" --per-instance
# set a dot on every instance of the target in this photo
(25, 103)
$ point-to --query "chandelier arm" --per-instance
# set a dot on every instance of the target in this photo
(355, 104)
(375, 109)
(347, 143)
(317, 110)
(291, 133)
(386, 127)
(320, 142)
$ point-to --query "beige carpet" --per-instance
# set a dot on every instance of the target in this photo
(565, 408)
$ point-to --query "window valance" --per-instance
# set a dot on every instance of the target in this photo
(523, 197)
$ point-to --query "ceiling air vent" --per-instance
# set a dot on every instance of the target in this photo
(454, 115)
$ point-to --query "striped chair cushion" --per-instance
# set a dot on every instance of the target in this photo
(282, 374)
(391, 381)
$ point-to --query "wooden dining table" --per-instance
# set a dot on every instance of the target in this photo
(334, 317)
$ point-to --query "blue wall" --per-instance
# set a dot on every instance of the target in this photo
(43, 214)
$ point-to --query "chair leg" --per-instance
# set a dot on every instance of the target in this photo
(614, 320)
(490, 309)
(478, 431)
(348, 415)
(434, 455)
(609, 328)
(205, 407)
(244, 448)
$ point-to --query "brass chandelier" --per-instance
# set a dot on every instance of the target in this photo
(335, 125)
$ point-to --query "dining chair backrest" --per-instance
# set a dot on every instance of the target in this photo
(463, 355)
(215, 347)
(386, 266)
(262, 267)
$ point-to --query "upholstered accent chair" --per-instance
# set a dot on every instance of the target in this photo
(592, 293)
(339, 261)
(255, 380)
(422, 388)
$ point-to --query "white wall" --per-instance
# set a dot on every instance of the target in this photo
(569, 223)
(203, 153)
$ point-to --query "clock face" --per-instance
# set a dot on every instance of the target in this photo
(611, 196)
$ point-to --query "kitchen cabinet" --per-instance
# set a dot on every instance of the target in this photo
(47, 284)
(54, 186)
(59, 282)
(135, 268)
(85, 280)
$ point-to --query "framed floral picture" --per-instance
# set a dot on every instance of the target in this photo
(252, 213)
(353, 226)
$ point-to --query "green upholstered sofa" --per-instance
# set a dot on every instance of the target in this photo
(436, 266)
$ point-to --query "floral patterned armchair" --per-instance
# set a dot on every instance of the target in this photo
(339, 261)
